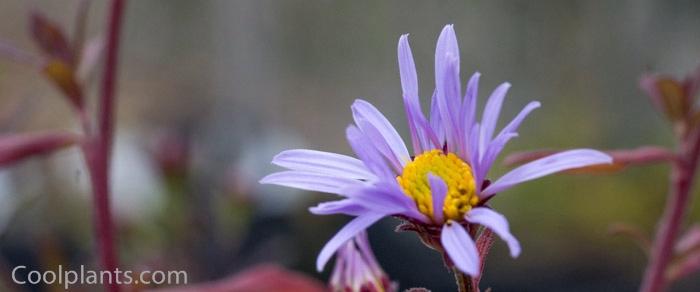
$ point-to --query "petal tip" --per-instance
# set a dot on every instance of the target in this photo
(268, 179)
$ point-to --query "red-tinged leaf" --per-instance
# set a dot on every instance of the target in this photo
(684, 266)
(689, 241)
(50, 38)
(63, 76)
(260, 278)
(667, 95)
(16, 147)
(621, 158)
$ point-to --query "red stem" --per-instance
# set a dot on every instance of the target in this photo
(99, 149)
(682, 176)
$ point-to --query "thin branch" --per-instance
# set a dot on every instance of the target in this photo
(100, 150)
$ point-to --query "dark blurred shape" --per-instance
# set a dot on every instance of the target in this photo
(171, 151)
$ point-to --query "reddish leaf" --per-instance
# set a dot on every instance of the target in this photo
(260, 278)
(63, 76)
(667, 95)
(16, 147)
(50, 37)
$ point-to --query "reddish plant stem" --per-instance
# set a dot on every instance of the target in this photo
(682, 175)
(463, 281)
(98, 151)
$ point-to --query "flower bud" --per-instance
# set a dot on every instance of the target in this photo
(356, 269)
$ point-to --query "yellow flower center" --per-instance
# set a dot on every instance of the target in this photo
(456, 174)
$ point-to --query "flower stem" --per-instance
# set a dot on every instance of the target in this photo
(464, 282)
(682, 174)
(98, 149)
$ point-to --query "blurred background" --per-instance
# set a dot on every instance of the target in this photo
(209, 91)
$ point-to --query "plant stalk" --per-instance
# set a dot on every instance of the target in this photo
(464, 282)
(682, 175)
(98, 150)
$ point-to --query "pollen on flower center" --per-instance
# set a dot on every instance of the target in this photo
(456, 174)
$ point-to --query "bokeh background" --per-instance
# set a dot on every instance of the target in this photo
(209, 91)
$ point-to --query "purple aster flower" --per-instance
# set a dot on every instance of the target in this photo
(443, 186)
(356, 269)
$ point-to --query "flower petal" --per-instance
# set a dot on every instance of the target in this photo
(385, 198)
(323, 162)
(379, 200)
(367, 153)
(473, 149)
(345, 206)
(497, 223)
(515, 123)
(367, 254)
(348, 231)
(438, 190)
(378, 142)
(436, 120)
(422, 134)
(460, 247)
(490, 116)
(409, 85)
(468, 110)
(494, 148)
(407, 70)
(310, 181)
(448, 101)
(548, 165)
(446, 45)
(368, 118)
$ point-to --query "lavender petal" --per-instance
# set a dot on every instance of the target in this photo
(461, 248)
(367, 117)
(348, 231)
(468, 110)
(368, 153)
(498, 224)
(345, 206)
(310, 181)
(490, 116)
(515, 123)
(448, 95)
(544, 166)
(323, 162)
(438, 189)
